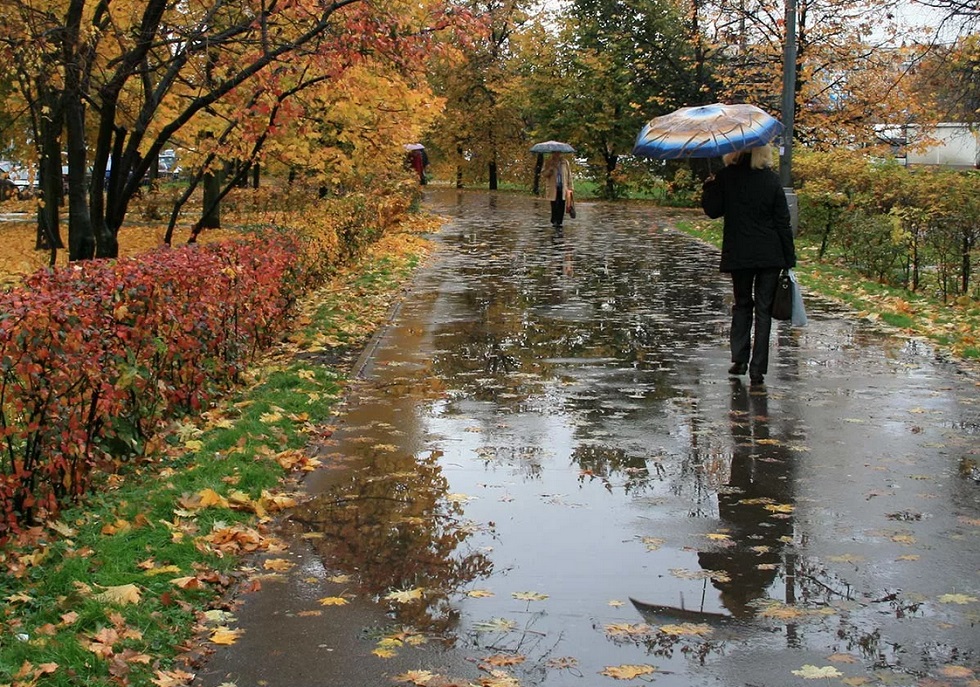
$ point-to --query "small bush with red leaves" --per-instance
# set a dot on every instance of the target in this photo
(95, 356)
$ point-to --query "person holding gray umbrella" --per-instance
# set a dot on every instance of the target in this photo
(757, 244)
(557, 175)
(558, 185)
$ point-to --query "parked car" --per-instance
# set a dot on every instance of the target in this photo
(24, 179)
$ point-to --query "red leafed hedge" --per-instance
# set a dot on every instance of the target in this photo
(95, 356)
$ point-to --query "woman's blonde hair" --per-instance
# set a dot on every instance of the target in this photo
(761, 157)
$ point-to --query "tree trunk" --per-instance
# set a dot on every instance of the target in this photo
(538, 166)
(965, 263)
(459, 166)
(52, 192)
(611, 161)
(81, 237)
(211, 217)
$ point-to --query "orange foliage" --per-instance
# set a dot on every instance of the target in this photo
(18, 229)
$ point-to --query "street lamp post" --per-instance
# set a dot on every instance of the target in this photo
(789, 108)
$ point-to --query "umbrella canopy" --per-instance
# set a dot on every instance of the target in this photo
(552, 147)
(706, 131)
(414, 146)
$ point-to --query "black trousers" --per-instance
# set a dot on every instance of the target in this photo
(754, 291)
(558, 208)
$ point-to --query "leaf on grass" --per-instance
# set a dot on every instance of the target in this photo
(628, 672)
(188, 582)
(163, 570)
(529, 596)
(122, 594)
(842, 658)
(339, 579)
(100, 643)
(809, 672)
(956, 672)
(384, 653)
(61, 528)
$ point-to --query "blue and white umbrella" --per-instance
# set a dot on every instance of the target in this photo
(706, 131)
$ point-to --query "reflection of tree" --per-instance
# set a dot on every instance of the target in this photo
(391, 526)
(753, 507)
(604, 463)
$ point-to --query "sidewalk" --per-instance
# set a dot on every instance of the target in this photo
(547, 477)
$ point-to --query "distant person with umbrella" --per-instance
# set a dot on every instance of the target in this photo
(417, 159)
(558, 185)
(756, 245)
(557, 175)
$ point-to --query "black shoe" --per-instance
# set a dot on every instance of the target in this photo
(738, 368)
(756, 378)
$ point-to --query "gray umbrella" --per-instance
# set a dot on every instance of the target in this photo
(552, 147)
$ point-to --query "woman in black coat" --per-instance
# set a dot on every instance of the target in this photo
(757, 245)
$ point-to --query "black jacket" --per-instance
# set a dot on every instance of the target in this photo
(757, 232)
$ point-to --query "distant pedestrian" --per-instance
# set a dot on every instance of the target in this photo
(558, 186)
(418, 161)
(757, 245)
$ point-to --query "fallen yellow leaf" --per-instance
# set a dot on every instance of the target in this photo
(121, 594)
(333, 601)
(628, 672)
(225, 636)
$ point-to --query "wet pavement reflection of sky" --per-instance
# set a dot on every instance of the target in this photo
(547, 467)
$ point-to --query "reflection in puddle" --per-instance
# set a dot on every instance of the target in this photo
(548, 464)
(395, 529)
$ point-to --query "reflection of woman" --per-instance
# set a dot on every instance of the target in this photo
(759, 484)
(557, 175)
(757, 244)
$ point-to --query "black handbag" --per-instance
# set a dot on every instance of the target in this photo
(782, 303)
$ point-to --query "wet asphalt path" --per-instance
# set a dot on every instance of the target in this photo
(546, 477)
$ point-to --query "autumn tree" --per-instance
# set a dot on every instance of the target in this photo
(623, 62)
(947, 80)
(852, 70)
(131, 77)
(480, 127)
